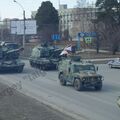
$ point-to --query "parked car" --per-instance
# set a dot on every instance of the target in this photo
(114, 63)
(118, 101)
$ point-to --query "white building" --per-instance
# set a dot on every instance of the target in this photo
(33, 14)
(75, 20)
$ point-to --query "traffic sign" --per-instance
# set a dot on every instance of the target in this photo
(56, 37)
(88, 40)
(87, 34)
(81, 34)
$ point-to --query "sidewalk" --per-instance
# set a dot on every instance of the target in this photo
(16, 106)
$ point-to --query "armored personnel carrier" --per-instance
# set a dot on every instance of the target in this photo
(45, 57)
(79, 73)
(9, 57)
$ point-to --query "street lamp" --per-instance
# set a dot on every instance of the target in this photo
(23, 42)
(59, 4)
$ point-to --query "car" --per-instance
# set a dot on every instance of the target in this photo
(114, 63)
(80, 74)
(118, 101)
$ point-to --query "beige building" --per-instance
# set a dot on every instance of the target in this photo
(75, 20)
(33, 14)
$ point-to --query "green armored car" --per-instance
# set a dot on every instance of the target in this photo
(79, 73)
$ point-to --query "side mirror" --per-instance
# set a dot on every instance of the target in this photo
(70, 62)
(97, 68)
(69, 69)
(118, 101)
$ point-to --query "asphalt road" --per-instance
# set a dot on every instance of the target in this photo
(17, 106)
(86, 105)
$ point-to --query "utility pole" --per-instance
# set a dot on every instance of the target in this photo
(59, 4)
(24, 28)
(1, 30)
(23, 42)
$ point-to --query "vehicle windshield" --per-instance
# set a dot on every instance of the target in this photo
(78, 68)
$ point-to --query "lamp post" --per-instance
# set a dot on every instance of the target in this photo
(23, 42)
(59, 4)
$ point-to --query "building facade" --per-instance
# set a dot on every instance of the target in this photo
(75, 20)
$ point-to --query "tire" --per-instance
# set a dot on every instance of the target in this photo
(110, 66)
(43, 67)
(62, 80)
(20, 69)
(56, 66)
(31, 64)
(98, 87)
(78, 84)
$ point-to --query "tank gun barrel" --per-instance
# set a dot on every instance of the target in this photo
(12, 54)
(15, 50)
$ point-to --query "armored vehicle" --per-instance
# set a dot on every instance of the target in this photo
(9, 57)
(79, 73)
(45, 57)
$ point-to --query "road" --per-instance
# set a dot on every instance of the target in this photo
(84, 105)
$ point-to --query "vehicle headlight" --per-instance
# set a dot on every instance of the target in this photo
(99, 78)
(83, 79)
(118, 101)
(102, 78)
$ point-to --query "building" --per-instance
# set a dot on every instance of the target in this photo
(33, 14)
(75, 20)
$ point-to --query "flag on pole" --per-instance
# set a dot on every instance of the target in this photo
(68, 48)
(64, 52)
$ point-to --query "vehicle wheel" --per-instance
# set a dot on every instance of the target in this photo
(99, 86)
(43, 67)
(110, 66)
(78, 85)
(31, 64)
(20, 69)
(56, 66)
(62, 80)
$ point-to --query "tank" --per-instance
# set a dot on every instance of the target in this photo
(45, 57)
(9, 57)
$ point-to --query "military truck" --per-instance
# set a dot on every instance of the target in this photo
(9, 57)
(79, 73)
(45, 57)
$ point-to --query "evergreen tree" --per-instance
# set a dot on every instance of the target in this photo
(46, 14)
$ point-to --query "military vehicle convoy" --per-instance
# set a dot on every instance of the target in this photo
(9, 57)
(45, 57)
(79, 73)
